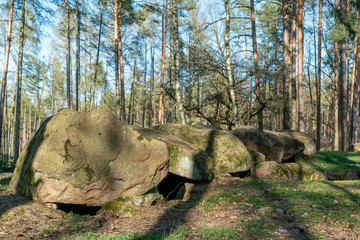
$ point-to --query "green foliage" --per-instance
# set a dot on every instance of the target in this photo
(75, 218)
(6, 163)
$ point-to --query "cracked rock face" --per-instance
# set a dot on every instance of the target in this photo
(88, 158)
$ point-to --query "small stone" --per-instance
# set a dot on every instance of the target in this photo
(264, 211)
(352, 175)
(279, 210)
(282, 230)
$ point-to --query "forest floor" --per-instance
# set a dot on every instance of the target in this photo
(229, 208)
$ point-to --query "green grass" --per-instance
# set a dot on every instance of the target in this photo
(75, 218)
(305, 203)
(4, 184)
(334, 161)
(179, 234)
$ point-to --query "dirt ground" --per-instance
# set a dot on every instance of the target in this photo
(24, 219)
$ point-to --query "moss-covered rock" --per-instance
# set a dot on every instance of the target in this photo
(291, 145)
(294, 170)
(274, 170)
(88, 158)
(184, 159)
(257, 157)
(228, 153)
(264, 142)
(313, 175)
(120, 206)
(308, 141)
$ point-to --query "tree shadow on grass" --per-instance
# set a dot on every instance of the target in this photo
(338, 160)
(286, 218)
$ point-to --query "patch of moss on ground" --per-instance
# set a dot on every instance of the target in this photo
(120, 206)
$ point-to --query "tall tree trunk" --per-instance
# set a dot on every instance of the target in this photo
(152, 87)
(19, 83)
(132, 83)
(177, 62)
(342, 87)
(318, 85)
(6, 64)
(228, 62)
(256, 66)
(354, 116)
(77, 78)
(248, 107)
(301, 66)
(163, 52)
(117, 81)
(24, 133)
(336, 82)
(98, 52)
(144, 87)
(277, 88)
(286, 64)
(294, 124)
(122, 84)
(68, 58)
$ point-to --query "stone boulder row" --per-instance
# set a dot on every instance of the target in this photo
(274, 170)
(309, 142)
(184, 159)
(264, 142)
(292, 146)
(228, 153)
(88, 158)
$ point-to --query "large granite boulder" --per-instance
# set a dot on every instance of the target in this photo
(264, 142)
(88, 158)
(309, 142)
(184, 159)
(292, 146)
(228, 153)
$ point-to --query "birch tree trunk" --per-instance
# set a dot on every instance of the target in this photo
(180, 106)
